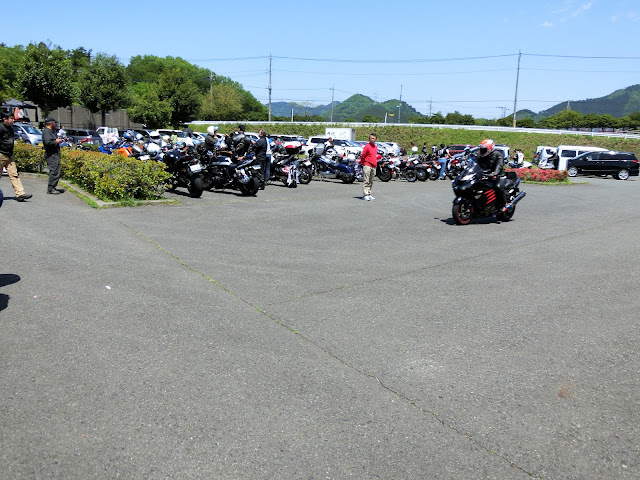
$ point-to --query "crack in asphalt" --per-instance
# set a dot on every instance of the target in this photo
(324, 349)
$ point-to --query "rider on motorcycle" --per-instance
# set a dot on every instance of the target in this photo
(240, 143)
(491, 161)
(211, 140)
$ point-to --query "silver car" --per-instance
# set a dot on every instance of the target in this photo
(28, 133)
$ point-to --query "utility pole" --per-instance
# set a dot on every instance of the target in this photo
(515, 101)
(400, 104)
(333, 91)
(269, 87)
(430, 105)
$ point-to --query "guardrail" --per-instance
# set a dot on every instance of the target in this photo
(488, 128)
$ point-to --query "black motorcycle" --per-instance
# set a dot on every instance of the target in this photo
(185, 170)
(476, 195)
(220, 172)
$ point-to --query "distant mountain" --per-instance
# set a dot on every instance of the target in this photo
(618, 104)
(356, 107)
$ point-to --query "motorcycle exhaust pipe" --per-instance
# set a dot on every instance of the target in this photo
(518, 198)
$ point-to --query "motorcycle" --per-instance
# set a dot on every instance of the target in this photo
(185, 170)
(476, 196)
(456, 167)
(220, 172)
(386, 169)
(409, 169)
(427, 169)
(285, 168)
(325, 165)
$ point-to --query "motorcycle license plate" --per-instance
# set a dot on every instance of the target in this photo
(195, 168)
(306, 163)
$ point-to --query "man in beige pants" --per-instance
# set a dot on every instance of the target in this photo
(6, 156)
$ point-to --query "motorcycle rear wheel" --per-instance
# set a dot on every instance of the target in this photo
(462, 213)
(196, 188)
(422, 175)
(434, 175)
(411, 175)
(384, 175)
(348, 178)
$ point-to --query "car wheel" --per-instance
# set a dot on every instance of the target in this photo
(572, 171)
(622, 174)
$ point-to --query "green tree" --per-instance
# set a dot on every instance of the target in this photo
(223, 102)
(178, 89)
(10, 58)
(102, 85)
(526, 122)
(370, 119)
(45, 77)
(147, 107)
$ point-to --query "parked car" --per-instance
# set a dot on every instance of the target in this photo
(182, 136)
(76, 135)
(28, 133)
(620, 165)
(108, 133)
(565, 152)
(458, 148)
(345, 147)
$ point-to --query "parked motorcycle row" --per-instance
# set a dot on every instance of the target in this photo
(202, 167)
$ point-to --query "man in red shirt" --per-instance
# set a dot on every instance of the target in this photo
(369, 162)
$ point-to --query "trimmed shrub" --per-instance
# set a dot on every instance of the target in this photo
(109, 177)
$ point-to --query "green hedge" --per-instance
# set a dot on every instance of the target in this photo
(108, 177)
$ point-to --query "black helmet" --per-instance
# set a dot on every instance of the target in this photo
(442, 145)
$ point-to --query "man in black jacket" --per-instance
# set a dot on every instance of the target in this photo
(52, 154)
(491, 160)
(260, 150)
(6, 156)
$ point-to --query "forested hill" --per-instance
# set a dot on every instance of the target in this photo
(618, 104)
(355, 108)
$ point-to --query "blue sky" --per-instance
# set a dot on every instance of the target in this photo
(442, 56)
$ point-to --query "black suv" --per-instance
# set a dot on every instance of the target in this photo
(619, 164)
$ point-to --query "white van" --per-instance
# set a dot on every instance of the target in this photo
(565, 152)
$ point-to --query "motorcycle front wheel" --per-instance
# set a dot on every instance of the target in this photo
(250, 188)
(411, 175)
(305, 176)
(462, 213)
(422, 175)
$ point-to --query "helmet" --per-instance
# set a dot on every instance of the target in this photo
(128, 135)
(212, 130)
(485, 147)
(442, 145)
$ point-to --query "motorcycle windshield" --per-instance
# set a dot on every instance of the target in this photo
(472, 169)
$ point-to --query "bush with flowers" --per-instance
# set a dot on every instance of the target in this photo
(538, 175)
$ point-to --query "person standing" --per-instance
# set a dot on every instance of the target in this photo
(260, 150)
(369, 162)
(52, 154)
(443, 158)
(6, 156)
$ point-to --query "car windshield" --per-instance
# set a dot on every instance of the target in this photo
(31, 130)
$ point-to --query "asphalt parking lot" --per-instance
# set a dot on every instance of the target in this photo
(305, 333)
